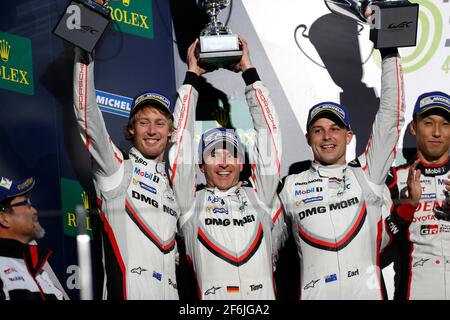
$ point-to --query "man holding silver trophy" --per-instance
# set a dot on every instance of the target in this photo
(341, 228)
(232, 230)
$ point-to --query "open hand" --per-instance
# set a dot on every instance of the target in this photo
(368, 12)
(414, 186)
(192, 59)
(245, 61)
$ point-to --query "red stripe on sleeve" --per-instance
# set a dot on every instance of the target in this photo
(174, 167)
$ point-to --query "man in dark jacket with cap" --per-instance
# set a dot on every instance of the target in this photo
(24, 272)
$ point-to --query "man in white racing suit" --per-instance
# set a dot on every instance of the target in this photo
(138, 209)
(335, 209)
(424, 247)
(231, 231)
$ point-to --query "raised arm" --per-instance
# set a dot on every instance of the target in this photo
(381, 148)
(108, 160)
(182, 154)
(265, 153)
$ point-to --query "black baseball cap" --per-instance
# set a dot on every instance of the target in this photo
(10, 188)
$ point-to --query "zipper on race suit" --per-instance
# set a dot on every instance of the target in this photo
(230, 206)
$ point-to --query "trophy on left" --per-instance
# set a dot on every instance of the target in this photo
(83, 23)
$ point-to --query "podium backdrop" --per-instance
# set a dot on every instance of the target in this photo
(303, 53)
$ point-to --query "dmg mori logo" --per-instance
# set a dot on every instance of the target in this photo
(133, 16)
(5, 49)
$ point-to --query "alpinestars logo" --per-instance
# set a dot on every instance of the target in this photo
(138, 270)
(212, 290)
(311, 284)
(420, 263)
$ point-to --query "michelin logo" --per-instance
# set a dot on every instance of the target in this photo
(112, 103)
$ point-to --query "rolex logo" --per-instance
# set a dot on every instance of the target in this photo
(5, 48)
(85, 199)
(16, 70)
(133, 16)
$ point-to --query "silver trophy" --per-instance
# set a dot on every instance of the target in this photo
(393, 22)
(219, 47)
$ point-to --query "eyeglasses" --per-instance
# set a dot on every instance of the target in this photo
(26, 202)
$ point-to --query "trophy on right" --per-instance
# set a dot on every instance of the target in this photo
(393, 23)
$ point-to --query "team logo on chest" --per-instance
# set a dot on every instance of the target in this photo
(349, 206)
(146, 225)
(253, 231)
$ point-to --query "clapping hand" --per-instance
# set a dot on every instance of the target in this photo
(414, 186)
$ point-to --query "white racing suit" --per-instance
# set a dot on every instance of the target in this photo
(232, 236)
(24, 275)
(138, 209)
(336, 211)
(424, 248)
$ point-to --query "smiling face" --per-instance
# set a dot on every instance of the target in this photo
(433, 137)
(328, 141)
(20, 222)
(221, 169)
(151, 129)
